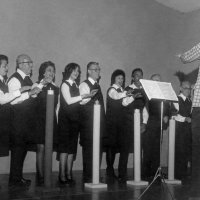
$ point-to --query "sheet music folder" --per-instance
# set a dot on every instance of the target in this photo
(158, 90)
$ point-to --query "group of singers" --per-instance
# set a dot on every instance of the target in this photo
(23, 113)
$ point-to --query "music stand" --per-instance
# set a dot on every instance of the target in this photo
(162, 91)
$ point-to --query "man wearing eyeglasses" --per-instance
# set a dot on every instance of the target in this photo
(90, 85)
(22, 120)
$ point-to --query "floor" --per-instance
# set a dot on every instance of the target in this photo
(115, 191)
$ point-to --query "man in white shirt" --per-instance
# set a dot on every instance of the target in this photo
(86, 116)
(23, 121)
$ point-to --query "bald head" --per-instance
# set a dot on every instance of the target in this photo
(24, 63)
(23, 58)
(156, 77)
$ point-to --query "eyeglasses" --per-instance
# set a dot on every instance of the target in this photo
(29, 62)
(96, 70)
(186, 88)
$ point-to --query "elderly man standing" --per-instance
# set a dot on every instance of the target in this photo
(90, 86)
(22, 119)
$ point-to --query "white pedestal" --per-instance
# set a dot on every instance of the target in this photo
(137, 183)
(95, 186)
(173, 182)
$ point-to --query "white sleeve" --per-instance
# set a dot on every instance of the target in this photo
(7, 97)
(84, 89)
(116, 95)
(67, 96)
(127, 100)
(14, 85)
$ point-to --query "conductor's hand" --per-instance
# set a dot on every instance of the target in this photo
(24, 88)
(34, 91)
(188, 119)
(92, 93)
(142, 128)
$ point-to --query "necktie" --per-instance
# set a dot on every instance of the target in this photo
(187, 100)
(28, 81)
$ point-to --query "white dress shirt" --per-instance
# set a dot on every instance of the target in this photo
(7, 97)
(179, 117)
(128, 100)
(84, 89)
(66, 93)
(14, 84)
(112, 93)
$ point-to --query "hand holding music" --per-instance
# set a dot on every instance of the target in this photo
(34, 91)
(188, 119)
(90, 95)
(24, 88)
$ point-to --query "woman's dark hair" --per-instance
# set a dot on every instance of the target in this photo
(116, 73)
(43, 67)
(136, 70)
(68, 71)
(3, 57)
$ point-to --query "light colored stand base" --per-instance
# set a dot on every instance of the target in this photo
(95, 186)
(137, 183)
(173, 182)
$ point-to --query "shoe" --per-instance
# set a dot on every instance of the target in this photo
(87, 180)
(40, 181)
(62, 182)
(19, 183)
(26, 181)
(70, 181)
(121, 179)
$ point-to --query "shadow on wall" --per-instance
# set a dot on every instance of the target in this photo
(191, 77)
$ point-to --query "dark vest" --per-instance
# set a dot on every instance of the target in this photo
(23, 116)
(98, 95)
(71, 111)
(184, 107)
(5, 124)
(113, 107)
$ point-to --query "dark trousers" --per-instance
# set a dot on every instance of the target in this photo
(87, 153)
(18, 154)
(151, 148)
(182, 148)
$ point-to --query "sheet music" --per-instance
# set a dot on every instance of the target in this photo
(158, 90)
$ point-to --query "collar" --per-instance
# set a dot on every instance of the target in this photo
(116, 86)
(91, 80)
(70, 81)
(23, 75)
(1, 78)
(133, 86)
(51, 82)
(182, 96)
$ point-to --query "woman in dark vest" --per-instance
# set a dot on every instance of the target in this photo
(46, 74)
(68, 121)
(115, 122)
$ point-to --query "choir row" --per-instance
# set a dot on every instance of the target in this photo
(23, 115)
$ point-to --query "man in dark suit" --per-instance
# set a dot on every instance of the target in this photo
(22, 119)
